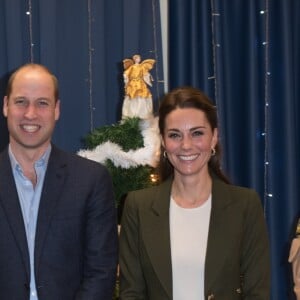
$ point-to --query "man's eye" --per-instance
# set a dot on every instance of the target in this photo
(21, 102)
(43, 103)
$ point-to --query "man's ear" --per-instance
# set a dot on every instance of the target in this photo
(5, 103)
(57, 110)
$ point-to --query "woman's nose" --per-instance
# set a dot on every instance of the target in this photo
(186, 142)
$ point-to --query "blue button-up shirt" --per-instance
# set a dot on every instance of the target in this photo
(29, 197)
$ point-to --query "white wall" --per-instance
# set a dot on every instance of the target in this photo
(164, 32)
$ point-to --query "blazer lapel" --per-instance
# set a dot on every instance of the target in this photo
(217, 240)
(9, 201)
(157, 236)
(53, 184)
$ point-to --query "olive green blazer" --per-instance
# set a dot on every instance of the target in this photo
(237, 260)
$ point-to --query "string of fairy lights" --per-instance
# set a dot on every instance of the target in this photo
(29, 14)
(155, 44)
(266, 44)
(215, 45)
(90, 64)
(264, 13)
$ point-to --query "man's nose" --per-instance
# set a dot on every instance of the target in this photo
(30, 111)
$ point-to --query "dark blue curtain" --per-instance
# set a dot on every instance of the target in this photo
(245, 55)
(83, 43)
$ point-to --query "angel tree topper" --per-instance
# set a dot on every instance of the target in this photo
(138, 98)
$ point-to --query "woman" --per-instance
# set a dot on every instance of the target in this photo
(195, 236)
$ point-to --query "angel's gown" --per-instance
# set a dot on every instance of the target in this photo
(138, 99)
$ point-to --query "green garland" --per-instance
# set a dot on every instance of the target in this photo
(127, 135)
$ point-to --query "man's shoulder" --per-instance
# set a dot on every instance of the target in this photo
(4, 158)
(73, 160)
(4, 152)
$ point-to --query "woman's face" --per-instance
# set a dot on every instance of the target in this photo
(188, 139)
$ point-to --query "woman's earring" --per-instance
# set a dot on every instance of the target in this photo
(165, 155)
(213, 151)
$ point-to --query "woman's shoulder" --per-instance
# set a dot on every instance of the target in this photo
(147, 196)
(151, 191)
(235, 194)
(232, 188)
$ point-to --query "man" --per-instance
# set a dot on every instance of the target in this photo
(57, 217)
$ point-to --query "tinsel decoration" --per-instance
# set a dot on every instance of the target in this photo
(130, 151)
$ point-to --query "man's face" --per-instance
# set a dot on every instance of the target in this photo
(31, 110)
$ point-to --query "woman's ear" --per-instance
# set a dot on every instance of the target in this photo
(162, 141)
(215, 137)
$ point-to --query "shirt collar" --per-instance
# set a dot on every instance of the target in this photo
(42, 162)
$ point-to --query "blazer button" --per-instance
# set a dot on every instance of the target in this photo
(211, 297)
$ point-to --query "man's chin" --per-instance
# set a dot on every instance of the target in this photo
(31, 145)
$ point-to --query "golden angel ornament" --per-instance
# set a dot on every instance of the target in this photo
(138, 98)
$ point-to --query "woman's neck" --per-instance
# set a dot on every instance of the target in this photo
(191, 191)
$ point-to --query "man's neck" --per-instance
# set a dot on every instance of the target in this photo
(26, 157)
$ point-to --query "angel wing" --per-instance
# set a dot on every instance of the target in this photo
(148, 64)
(127, 62)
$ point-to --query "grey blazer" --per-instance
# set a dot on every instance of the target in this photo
(237, 261)
(76, 246)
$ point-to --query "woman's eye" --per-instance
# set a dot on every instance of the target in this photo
(173, 135)
(198, 133)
